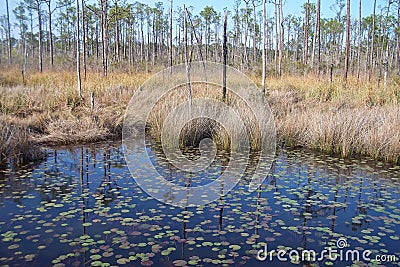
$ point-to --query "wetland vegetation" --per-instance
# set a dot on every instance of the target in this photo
(68, 70)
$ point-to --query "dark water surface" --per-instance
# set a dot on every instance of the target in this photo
(80, 207)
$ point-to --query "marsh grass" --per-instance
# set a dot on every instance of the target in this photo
(356, 118)
(16, 144)
(220, 126)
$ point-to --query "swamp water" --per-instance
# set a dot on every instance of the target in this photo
(81, 207)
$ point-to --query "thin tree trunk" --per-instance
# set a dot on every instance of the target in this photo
(346, 63)
(281, 39)
(117, 44)
(31, 39)
(189, 87)
(170, 37)
(306, 25)
(276, 37)
(9, 35)
(78, 63)
(359, 41)
(371, 58)
(51, 36)
(83, 40)
(104, 32)
(264, 37)
(246, 34)
(319, 36)
(97, 41)
(254, 31)
(25, 61)
(225, 55)
(314, 41)
(40, 36)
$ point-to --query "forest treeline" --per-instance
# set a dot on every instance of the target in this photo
(111, 34)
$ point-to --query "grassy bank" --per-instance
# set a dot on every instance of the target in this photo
(311, 112)
(346, 120)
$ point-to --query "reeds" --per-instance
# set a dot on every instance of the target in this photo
(355, 118)
(16, 144)
(344, 126)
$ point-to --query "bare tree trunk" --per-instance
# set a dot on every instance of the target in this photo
(264, 37)
(314, 41)
(117, 33)
(319, 36)
(25, 61)
(142, 41)
(246, 34)
(9, 35)
(31, 39)
(189, 87)
(281, 39)
(50, 35)
(104, 35)
(97, 41)
(83, 40)
(371, 58)
(346, 63)
(254, 31)
(170, 37)
(316, 38)
(225, 55)
(359, 41)
(306, 25)
(277, 45)
(386, 74)
(78, 60)
(40, 35)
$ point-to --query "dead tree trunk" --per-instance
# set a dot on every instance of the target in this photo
(9, 35)
(189, 87)
(306, 25)
(225, 55)
(83, 40)
(346, 63)
(38, 2)
(170, 37)
(78, 63)
(254, 31)
(319, 36)
(264, 37)
(371, 57)
(50, 35)
(104, 35)
(359, 41)
(281, 39)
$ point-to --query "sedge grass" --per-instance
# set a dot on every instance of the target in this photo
(346, 119)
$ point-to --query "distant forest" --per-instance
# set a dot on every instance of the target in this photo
(118, 34)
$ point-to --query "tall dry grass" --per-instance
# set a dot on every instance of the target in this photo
(218, 124)
(356, 118)
(346, 120)
(16, 144)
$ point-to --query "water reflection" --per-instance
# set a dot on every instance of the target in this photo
(80, 207)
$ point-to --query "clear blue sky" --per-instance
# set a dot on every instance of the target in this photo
(290, 6)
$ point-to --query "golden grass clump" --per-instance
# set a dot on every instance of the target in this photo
(16, 144)
(346, 127)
